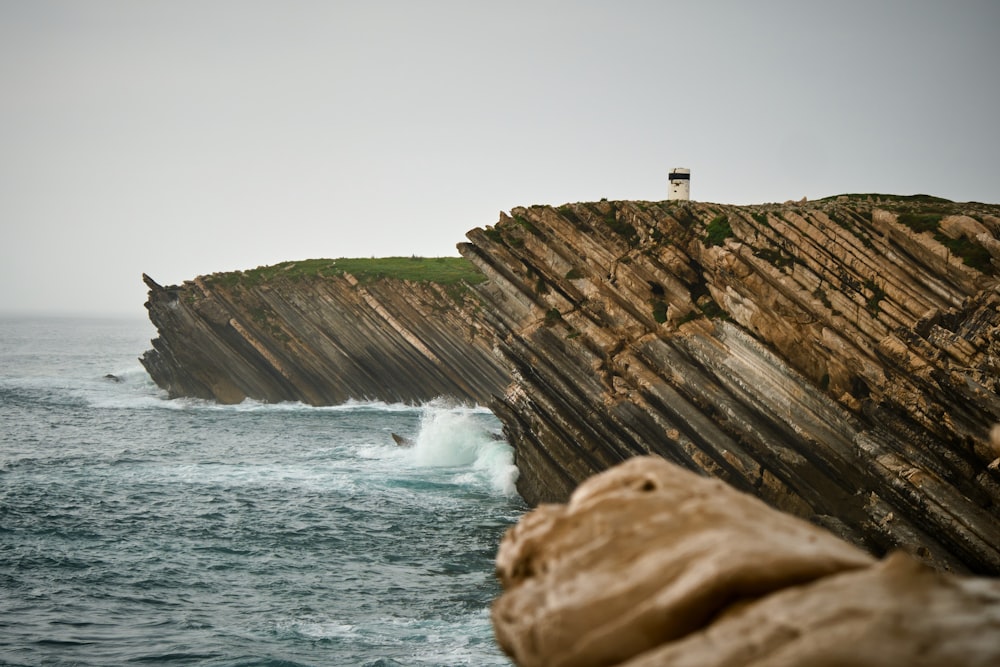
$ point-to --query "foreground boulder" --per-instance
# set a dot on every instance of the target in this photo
(649, 564)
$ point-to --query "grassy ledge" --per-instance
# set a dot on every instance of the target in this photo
(439, 270)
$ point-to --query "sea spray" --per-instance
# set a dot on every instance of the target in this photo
(453, 436)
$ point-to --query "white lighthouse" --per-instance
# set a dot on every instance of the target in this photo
(680, 184)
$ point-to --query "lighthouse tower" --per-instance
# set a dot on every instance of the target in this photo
(680, 184)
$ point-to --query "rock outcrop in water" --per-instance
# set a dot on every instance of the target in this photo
(713, 577)
(838, 359)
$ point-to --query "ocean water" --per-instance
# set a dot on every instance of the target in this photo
(140, 530)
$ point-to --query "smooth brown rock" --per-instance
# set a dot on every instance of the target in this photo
(650, 565)
(898, 613)
(643, 554)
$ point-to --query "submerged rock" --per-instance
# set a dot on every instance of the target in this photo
(401, 440)
(649, 564)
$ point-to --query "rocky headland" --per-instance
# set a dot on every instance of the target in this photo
(837, 359)
(323, 332)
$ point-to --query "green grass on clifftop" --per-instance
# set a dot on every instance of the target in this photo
(440, 270)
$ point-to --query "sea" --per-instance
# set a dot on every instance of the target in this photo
(136, 529)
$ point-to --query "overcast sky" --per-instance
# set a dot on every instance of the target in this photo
(179, 137)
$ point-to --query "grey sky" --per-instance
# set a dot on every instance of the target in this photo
(183, 137)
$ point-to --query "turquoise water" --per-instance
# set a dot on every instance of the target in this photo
(136, 529)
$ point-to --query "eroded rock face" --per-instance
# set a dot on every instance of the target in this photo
(837, 359)
(319, 340)
(649, 564)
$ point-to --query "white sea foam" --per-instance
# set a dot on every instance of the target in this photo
(455, 436)
(133, 388)
(453, 641)
(317, 628)
(450, 434)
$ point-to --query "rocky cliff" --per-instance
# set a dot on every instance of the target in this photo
(838, 359)
(316, 332)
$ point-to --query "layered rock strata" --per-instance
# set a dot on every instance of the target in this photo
(320, 339)
(709, 576)
(838, 359)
